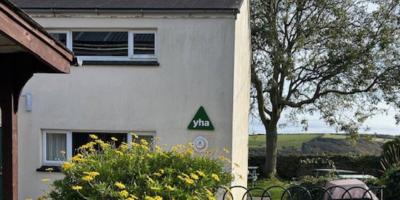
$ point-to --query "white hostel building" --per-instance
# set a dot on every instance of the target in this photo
(176, 70)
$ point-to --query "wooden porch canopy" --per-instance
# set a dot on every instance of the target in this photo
(25, 48)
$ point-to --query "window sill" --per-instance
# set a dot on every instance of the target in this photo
(47, 168)
(121, 63)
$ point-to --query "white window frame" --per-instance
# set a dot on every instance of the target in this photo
(131, 45)
(68, 38)
(69, 142)
(44, 146)
(130, 57)
(99, 58)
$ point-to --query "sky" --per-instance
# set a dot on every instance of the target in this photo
(380, 124)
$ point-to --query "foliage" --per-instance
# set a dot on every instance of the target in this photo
(308, 182)
(275, 193)
(395, 142)
(289, 166)
(307, 165)
(390, 156)
(103, 171)
(312, 181)
(391, 180)
(284, 140)
(336, 57)
(374, 182)
(317, 144)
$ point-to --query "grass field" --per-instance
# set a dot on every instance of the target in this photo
(296, 140)
(284, 140)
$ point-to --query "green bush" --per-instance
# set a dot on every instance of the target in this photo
(392, 143)
(290, 166)
(312, 181)
(103, 171)
(390, 154)
(391, 179)
(308, 165)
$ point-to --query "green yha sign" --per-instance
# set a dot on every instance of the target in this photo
(201, 121)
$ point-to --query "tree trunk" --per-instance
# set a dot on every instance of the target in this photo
(271, 150)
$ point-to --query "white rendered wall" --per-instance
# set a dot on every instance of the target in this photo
(197, 68)
(241, 95)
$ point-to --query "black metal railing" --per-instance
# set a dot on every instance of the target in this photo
(300, 193)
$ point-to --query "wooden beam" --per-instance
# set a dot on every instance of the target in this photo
(11, 84)
(24, 34)
(9, 145)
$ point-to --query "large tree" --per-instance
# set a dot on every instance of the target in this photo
(334, 57)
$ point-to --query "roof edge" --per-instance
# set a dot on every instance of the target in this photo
(37, 27)
(36, 34)
(233, 11)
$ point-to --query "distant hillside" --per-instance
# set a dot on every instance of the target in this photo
(320, 143)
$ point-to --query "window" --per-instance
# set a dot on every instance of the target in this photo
(59, 146)
(55, 147)
(100, 43)
(143, 44)
(149, 139)
(110, 45)
(79, 139)
(61, 37)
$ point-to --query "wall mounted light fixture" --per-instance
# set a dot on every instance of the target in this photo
(28, 102)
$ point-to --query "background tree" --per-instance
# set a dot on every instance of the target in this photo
(334, 57)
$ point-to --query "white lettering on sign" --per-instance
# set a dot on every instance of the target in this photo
(199, 122)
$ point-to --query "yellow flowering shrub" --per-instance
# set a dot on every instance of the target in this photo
(103, 171)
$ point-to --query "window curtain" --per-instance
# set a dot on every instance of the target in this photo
(56, 147)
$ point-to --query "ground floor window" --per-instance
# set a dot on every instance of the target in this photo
(81, 138)
(55, 147)
(59, 146)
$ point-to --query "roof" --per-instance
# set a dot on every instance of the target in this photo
(130, 4)
(17, 27)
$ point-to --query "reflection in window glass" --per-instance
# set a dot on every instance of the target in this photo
(100, 43)
(143, 44)
(61, 37)
(149, 139)
(56, 146)
(79, 139)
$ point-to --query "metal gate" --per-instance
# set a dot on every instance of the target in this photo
(301, 193)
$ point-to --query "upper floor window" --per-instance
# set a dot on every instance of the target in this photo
(110, 45)
(100, 43)
(61, 37)
(144, 44)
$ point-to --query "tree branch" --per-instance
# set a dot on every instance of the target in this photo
(262, 110)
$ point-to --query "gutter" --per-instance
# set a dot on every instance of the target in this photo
(233, 11)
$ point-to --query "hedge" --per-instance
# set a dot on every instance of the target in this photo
(288, 166)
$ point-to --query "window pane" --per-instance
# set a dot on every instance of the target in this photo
(79, 139)
(148, 138)
(144, 43)
(100, 43)
(61, 37)
(56, 146)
